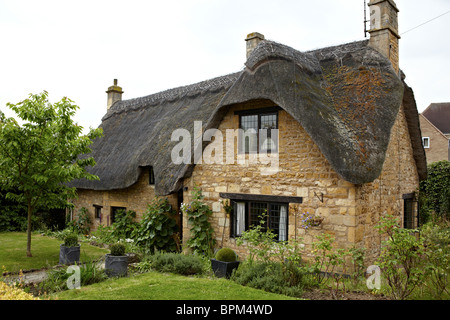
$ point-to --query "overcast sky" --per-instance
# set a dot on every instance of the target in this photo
(77, 48)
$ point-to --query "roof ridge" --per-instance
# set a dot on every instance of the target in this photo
(173, 94)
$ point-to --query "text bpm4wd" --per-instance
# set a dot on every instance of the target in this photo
(243, 309)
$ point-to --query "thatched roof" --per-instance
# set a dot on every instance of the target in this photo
(346, 97)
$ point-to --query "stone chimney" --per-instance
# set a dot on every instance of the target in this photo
(384, 36)
(252, 41)
(114, 94)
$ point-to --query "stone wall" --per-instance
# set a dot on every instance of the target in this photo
(136, 198)
(384, 195)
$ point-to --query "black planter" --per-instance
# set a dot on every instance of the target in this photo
(116, 266)
(69, 255)
(223, 269)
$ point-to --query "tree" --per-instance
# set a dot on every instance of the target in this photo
(39, 157)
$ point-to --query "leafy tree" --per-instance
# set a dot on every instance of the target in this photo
(39, 157)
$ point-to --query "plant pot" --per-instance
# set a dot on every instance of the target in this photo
(223, 269)
(69, 255)
(116, 266)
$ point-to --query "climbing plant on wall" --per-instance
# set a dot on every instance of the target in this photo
(198, 213)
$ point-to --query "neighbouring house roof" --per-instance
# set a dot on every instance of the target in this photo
(439, 115)
(346, 97)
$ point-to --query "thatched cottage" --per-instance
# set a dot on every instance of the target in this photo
(344, 142)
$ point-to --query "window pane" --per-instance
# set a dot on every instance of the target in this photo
(240, 218)
(408, 214)
(257, 212)
(248, 141)
(249, 122)
(274, 218)
(269, 121)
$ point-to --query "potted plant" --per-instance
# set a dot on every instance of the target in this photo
(116, 262)
(69, 251)
(224, 263)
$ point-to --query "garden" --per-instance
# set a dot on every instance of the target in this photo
(157, 267)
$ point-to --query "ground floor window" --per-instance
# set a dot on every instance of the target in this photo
(114, 211)
(410, 211)
(98, 212)
(271, 215)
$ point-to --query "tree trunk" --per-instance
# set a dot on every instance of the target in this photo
(30, 211)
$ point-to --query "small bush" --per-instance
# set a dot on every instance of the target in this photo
(271, 277)
(90, 273)
(117, 249)
(10, 293)
(226, 255)
(71, 240)
(177, 263)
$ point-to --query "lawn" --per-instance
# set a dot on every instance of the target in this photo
(163, 286)
(45, 251)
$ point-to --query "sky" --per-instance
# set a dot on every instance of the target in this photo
(75, 49)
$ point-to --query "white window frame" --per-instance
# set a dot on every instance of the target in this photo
(426, 145)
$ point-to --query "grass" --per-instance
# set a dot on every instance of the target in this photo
(45, 251)
(163, 286)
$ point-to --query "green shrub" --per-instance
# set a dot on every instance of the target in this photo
(436, 239)
(81, 225)
(90, 273)
(226, 255)
(401, 259)
(435, 191)
(71, 240)
(177, 263)
(117, 249)
(157, 228)
(8, 292)
(271, 277)
(124, 224)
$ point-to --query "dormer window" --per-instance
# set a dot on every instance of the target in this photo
(259, 130)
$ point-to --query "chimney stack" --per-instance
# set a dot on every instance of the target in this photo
(114, 94)
(384, 36)
(252, 41)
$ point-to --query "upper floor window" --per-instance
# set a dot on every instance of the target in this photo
(259, 130)
(426, 142)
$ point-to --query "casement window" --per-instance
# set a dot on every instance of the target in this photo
(270, 215)
(259, 130)
(410, 211)
(114, 211)
(426, 142)
(151, 176)
(98, 212)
